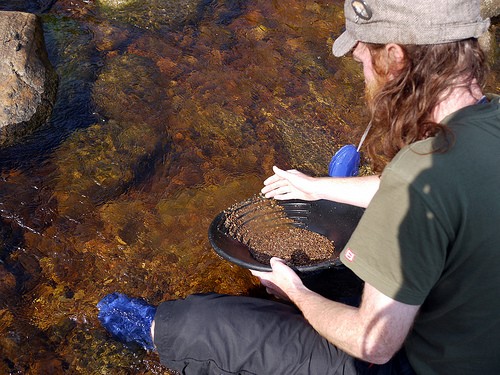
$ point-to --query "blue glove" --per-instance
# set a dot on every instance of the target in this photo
(129, 319)
(345, 162)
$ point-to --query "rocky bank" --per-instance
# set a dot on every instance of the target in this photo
(28, 83)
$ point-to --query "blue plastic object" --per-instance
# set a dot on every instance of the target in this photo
(345, 162)
(128, 319)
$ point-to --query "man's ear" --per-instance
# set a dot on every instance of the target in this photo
(395, 56)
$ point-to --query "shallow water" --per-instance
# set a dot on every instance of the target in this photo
(164, 117)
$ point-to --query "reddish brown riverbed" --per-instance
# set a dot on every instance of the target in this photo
(164, 118)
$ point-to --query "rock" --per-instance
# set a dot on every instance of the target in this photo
(28, 83)
(31, 6)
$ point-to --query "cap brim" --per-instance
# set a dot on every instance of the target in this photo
(343, 44)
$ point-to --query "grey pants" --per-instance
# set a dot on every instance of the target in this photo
(220, 334)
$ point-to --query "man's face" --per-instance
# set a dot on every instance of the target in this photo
(373, 81)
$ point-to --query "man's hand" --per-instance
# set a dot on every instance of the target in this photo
(290, 184)
(372, 332)
(282, 281)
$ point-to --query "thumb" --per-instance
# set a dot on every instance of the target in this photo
(278, 264)
(277, 170)
(282, 173)
(275, 261)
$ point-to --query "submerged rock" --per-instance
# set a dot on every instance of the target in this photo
(31, 6)
(28, 83)
(153, 14)
(121, 151)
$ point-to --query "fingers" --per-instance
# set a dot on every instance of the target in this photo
(285, 174)
(260, 274)
(279, 174)
(289, 173)
(272, 179)
(290, 184)
(268, 279)
(266, 274)
(280, 187)
(284, 192)
(275, 182)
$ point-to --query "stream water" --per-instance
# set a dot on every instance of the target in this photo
(166, 114)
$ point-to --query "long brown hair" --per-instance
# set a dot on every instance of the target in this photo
(401, 109)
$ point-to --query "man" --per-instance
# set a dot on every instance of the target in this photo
(426, 247)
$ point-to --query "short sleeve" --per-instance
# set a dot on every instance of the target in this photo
(399, 246)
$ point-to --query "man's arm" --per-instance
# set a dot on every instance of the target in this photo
(374, 332)
(292, 184)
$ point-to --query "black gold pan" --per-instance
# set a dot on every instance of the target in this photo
(334, 220)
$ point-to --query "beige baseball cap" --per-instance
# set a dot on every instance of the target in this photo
(409, 22)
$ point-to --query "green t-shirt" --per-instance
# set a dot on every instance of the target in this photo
(431, 237)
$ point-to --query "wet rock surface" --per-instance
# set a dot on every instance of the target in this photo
(30, 6)
(28, 83)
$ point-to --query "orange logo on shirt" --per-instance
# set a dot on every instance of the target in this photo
(349, 255)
